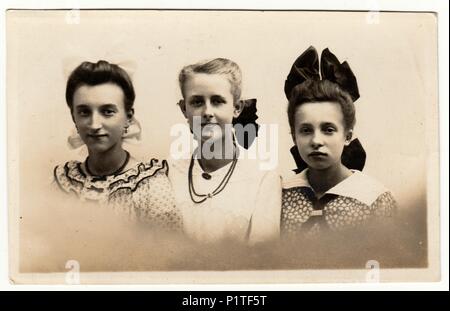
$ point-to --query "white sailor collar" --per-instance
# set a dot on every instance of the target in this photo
(358, 186)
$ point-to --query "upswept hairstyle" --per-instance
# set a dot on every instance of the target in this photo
(92, 74)
(321, 91)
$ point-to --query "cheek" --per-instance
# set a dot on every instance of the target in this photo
(192, 112)
(338, 140)
(80, 123)
(301, 141)
(337, 145)
(226, 114)
(116, 124)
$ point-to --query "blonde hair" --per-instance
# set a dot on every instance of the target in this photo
(215, 66)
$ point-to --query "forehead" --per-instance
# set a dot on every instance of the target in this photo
(207, 84)
(319, 112)
(107, 93)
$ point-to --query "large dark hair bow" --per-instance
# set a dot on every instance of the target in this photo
(247, 116)
(306, 67)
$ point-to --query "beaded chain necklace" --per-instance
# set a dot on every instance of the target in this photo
(200, 198)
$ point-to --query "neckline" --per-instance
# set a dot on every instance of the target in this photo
(198, 169)
(117, 172)
(305, 183)
(330, 190)
(198, 198)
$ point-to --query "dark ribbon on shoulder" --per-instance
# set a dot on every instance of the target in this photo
(246, 136)
(306, 67)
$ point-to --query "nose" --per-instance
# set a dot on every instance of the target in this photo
(208, 111)
(96, 121)
(317, 139)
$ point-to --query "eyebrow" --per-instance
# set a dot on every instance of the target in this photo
(219, 97)
(82, 106)
(305, 124)
(196, 97)
(323, 124)
(328, 124)
(108, 105)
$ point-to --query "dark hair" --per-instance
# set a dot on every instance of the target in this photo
(92, 74)
(321, 91)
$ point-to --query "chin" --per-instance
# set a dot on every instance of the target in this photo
(318, 166)
(212, 139)
(98, 148)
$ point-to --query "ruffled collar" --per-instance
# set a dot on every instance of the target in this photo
(71, 177)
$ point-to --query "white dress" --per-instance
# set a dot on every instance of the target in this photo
(247, 210)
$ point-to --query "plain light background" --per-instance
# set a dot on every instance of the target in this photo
(393, 56)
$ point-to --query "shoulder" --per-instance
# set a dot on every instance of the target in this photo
(69, 176)
(180, 165)
(289, 179)
(142, 172)
(361, 187)
(385, 204)
(178, 171)
(154, 167)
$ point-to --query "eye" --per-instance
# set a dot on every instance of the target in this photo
(329, 130)
(109, 112)
(196, 102)
(305, 130)
(217, 101)
(84, 112)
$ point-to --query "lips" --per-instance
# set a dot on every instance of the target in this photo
(317, 154)
(209, 123)
(97, 136)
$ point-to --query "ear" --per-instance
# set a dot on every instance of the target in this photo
(348, 137)
(238, 107)
(130, 114)
(182, 104)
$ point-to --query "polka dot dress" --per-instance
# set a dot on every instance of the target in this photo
(303, 212)
(142, 193)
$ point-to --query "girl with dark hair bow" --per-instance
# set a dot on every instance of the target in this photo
(328, 190)
(101, 97)
(223, 197)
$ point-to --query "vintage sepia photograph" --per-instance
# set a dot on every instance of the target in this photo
(222, 146)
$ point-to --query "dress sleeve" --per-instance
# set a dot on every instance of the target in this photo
(385, 205)
(154, 202)
(60, 182)
(265, 221)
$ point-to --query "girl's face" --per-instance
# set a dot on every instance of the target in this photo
(99, 115)
(208, 99)
(320, 134)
